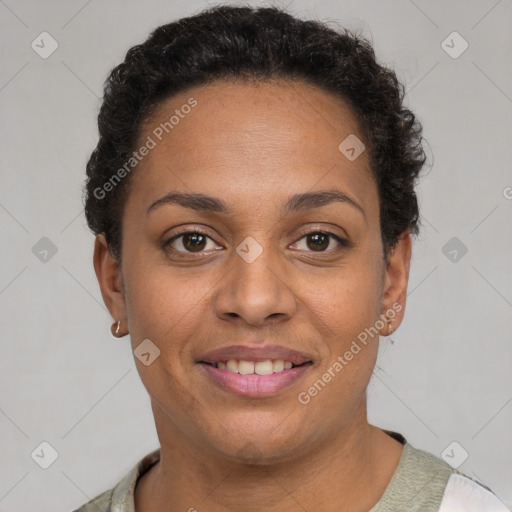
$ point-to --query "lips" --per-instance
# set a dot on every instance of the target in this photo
(255, 371)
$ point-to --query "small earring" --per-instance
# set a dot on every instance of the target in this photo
(390, 328)
(115, 332)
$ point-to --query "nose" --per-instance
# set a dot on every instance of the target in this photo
(256, 291)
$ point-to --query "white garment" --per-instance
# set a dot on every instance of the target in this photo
(464, 495)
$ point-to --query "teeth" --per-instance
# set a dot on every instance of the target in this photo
(278, 365)
(264, 367)
(232, 366)
(244, 367)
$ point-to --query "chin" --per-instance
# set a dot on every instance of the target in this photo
(259, 446)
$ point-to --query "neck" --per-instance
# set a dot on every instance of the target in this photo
(349, 470)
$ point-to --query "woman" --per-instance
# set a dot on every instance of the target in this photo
(252, 196)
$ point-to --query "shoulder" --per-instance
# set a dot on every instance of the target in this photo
(121, 497)
(423, 482)
(459, 492)
(463, 494)
(102, 503)
(446, 489)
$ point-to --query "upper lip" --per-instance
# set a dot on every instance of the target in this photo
(260, 353)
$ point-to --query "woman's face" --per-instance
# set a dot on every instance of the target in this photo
(259, 281)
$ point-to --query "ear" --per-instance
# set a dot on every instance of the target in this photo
(108, 273)
(395, 283)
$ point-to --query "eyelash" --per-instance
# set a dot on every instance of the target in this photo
(343, 243)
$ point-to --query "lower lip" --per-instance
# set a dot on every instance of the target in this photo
(255, 385)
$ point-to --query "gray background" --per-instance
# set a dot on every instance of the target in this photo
(65, 381)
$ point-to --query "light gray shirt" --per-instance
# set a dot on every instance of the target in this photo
(421, 483)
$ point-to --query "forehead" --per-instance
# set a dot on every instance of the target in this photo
(249, 139)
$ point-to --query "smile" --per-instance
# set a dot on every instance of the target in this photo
(244, 367)
(255, 378)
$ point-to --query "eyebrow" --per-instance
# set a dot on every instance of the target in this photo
(295, 203)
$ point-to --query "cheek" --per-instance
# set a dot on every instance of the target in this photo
(351, 345)
(349, 301)
(347, 312)
(164, 307)
(163, 303)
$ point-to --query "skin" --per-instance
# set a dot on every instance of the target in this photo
(253, 146)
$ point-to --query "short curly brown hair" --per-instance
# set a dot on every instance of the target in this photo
(226, 42)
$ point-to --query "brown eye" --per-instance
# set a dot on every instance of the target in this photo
(194, 242)
(189, 242)
(319, 241)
